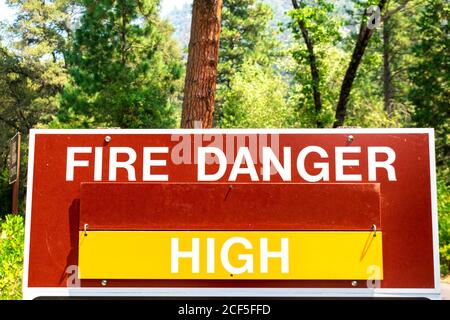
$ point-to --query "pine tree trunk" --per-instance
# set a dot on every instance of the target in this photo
(201, 73)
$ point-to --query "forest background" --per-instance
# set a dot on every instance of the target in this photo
(281, 64)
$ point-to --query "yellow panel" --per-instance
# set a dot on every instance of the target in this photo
(305, 255)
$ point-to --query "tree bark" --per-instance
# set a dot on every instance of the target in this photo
(313, 67)
(387, 74)
(201, 73)
(365, 33)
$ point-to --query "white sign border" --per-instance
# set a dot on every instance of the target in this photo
(434, 293)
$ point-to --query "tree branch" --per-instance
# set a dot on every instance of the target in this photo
(400, 7)
(312, 64)
(364, 36)
(9, 123)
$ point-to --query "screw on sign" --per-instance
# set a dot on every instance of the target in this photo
(225, 212)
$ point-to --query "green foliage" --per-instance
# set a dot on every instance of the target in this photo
(246, 35)
(43, 28)
(256, 99)
(29, 90)
(32, 75)
(430, 92)
(11, 257)
(124, 68)
(443, 189)
(32, 67)
(5, 191)
(366, 108)
(322, 25)
(321, 22)
(390, 44)
(300, 93)
(105, 63)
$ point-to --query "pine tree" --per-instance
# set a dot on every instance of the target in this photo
(32, 74)
(124, 67)
(256, 98)
(246, 36)
(33, 64)
(430, 92)
(245, 32)
(43, 29)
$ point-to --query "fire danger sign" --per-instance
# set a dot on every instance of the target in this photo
(289, 213)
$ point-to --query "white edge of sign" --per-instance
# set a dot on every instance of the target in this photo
(30, 172)
(35, 292)
(240, 131)
(434, 211)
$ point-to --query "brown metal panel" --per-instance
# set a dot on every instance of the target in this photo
(224, 206)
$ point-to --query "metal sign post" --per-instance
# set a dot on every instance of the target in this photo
(14, 171)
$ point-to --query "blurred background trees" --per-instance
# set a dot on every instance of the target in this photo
(117, 63)
(123, 68)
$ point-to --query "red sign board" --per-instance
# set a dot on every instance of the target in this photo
(286, 213)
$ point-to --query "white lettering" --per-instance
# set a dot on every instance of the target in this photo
(266, 254)
(71, 163)
(243, 155)
(149, 162)
(325, 170)
(341, 163)
(387, 164)
(201, 166)
(248, 258)
(114, 164)
(194, 255)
